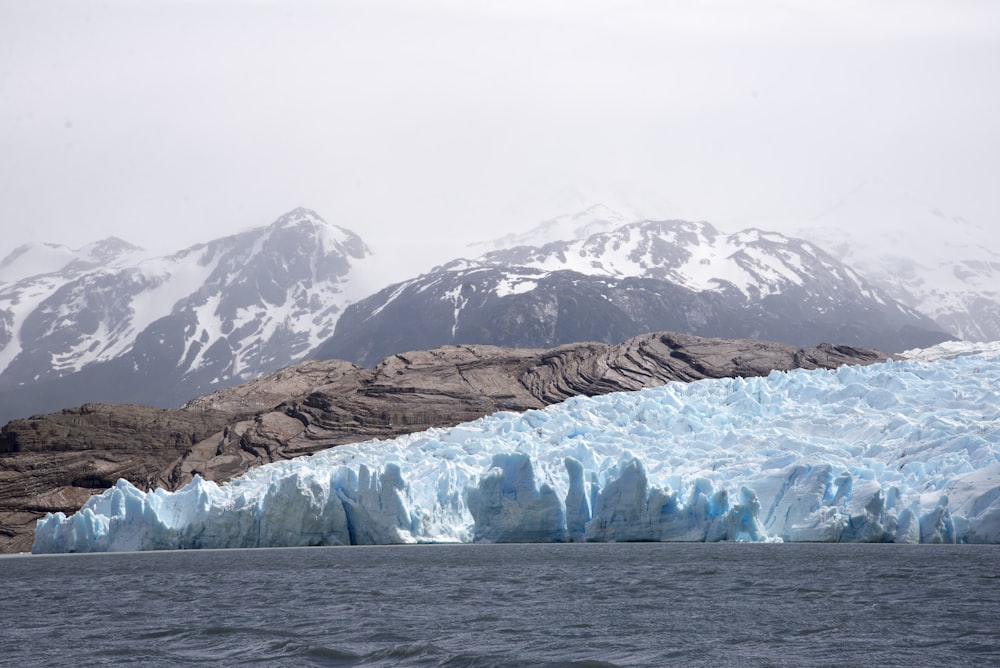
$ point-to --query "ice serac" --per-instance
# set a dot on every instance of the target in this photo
(904, 451)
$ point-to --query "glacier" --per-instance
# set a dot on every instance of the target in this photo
(904, 451)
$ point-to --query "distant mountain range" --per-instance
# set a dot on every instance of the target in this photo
(943, 265)
(111, 323)
(643, 276)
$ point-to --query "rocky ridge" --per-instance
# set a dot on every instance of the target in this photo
(54, 462)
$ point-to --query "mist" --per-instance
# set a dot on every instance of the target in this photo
(424, 128)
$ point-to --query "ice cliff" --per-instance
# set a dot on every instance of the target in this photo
(905, 451)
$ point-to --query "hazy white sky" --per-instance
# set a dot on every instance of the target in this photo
(168, 122)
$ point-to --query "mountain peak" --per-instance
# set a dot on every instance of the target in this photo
(592, 219)
(202, 317)
(110, 248)
(326, 235)
(645, 275)
(601, 211)
(298, 216)
(34, 259)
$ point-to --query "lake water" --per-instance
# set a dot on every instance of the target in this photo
(639, 604)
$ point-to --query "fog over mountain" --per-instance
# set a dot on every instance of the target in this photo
(939, 263)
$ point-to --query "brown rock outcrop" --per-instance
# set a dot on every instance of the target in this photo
(54, 462)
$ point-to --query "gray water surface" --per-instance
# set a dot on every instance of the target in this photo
(633, 604)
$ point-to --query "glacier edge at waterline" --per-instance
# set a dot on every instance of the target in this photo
(905, 451)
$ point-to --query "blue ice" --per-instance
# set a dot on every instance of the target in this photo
(905, 451)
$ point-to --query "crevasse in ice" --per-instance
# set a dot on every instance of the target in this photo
(906, 451)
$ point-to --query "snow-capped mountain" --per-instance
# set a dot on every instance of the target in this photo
(110, 322)
(942, 265)
(38, 285)
(594, 219)
(643, 276)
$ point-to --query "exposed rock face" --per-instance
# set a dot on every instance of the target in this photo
(54, 462)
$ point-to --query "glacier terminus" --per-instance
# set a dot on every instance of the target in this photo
(903, 451)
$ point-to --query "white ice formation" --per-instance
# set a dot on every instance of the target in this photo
(906, 451)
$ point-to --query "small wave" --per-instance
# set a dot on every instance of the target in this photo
(329, 656)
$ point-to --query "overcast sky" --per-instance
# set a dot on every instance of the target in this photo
(175, 121)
